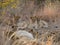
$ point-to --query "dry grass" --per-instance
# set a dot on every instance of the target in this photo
(46, 38)
(36, 20)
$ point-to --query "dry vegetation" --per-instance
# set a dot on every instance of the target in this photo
(30, 22)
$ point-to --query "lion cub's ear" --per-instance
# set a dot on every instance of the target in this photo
(33, 18)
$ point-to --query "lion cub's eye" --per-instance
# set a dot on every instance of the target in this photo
(12, 26)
